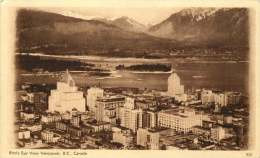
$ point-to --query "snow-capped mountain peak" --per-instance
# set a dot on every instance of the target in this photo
(198, 13)
(78, 15)
(129, 24)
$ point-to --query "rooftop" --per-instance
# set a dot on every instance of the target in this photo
(111, 99)
(175, 113)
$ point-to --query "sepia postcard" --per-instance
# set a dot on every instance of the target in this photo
(129, 79)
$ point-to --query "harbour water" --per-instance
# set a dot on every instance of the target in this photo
(223, 76)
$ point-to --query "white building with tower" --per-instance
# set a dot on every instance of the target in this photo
(66, 96)
(175, 88)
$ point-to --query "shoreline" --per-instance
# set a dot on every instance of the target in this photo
(94, 58)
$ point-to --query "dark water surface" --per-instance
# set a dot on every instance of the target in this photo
(223, 76)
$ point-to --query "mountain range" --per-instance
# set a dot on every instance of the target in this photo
(199, 27)
(210, 26)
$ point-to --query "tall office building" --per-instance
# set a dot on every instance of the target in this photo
(66, 96)
(174, 85)
(93, 94)
(107, 108)
(131, 118)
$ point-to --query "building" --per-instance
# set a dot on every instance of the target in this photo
(207, 96)
(24, 134)
(66, 96)
(122, 136)
(107, 108)
(50, 118)
(181, 97)
(62, 125)
(217, 133)
(86, 129)
(32, 127)
(174, 85)
(66, 115)
(93, 94)
(40, 101)
(131, 118)
(234, 98)
(27, 115)
(74, 131)
(145, 104)
(181, 121)
(168, 139)
(148, 138)
(75, 120)
(201, 131)
(99, 126)
(220, 99)
(49, 136)
(150, 119)
(129, 103)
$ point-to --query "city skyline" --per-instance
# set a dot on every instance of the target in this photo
(181, 84)
(126, 118)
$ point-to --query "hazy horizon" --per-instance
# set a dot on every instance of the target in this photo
(142, 15)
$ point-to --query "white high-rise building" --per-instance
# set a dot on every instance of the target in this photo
(175, 89)
(66, 96)
(93, 94)
(131, 118)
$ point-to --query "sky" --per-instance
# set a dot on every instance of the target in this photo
(143, 15)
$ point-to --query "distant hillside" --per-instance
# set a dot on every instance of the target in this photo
(54, 33)
(129, 24)
(206, 26)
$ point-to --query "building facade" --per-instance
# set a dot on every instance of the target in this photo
(207, 96)
(122, 136)
(66, 96)
(217, 133)
(107, 108)
(93, 94)
(181, 121)
(174, 85)
(148, 138)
